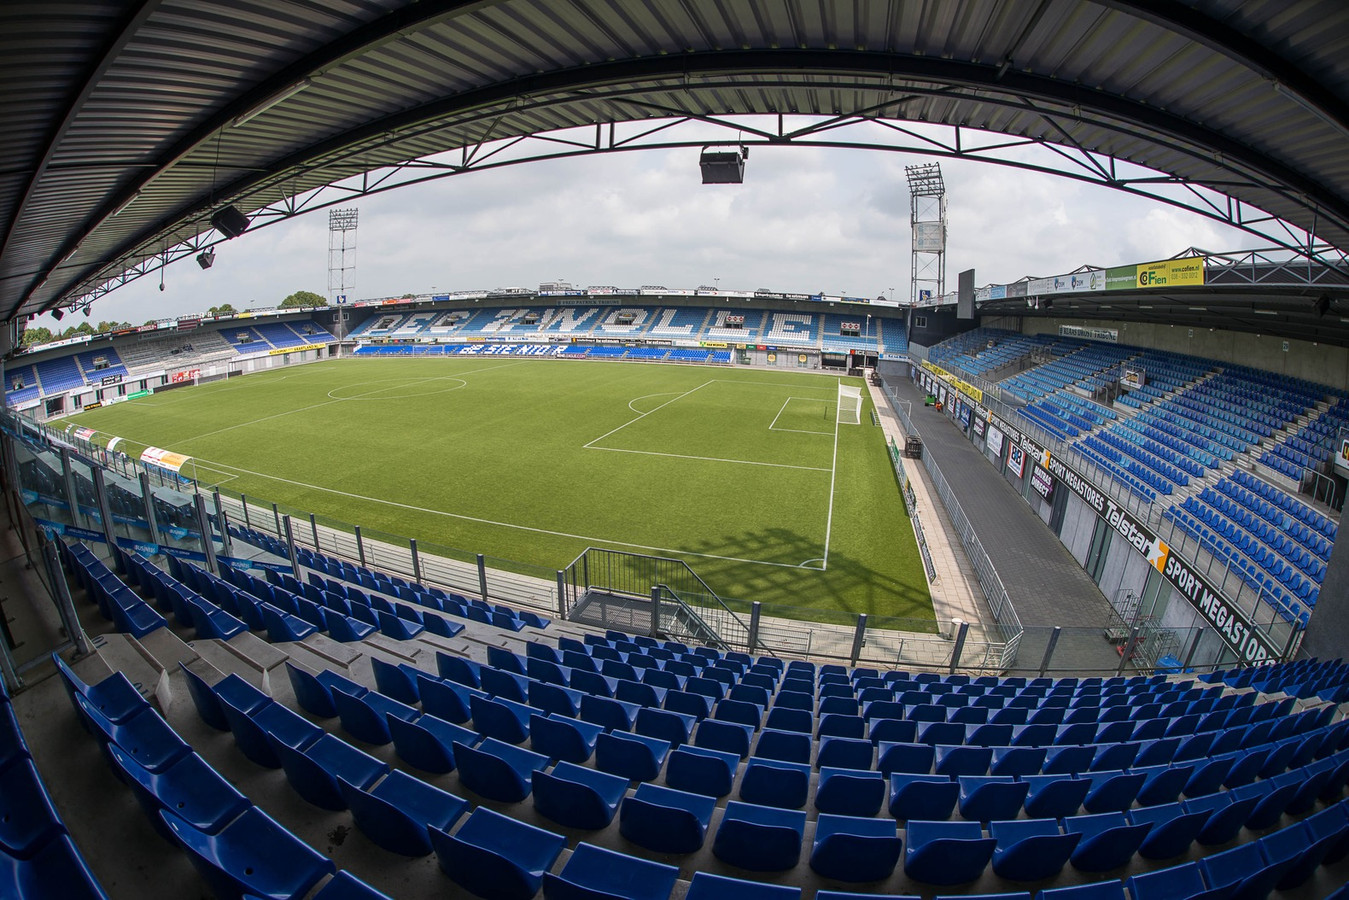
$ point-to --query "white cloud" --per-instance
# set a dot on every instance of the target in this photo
(806, 219)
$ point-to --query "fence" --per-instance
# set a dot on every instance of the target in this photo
(1004, 614)
(157, 511)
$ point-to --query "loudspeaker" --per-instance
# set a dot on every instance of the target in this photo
(58, 314)
(965, 295)
(206, 258)
(229, 222)
(1322, 305)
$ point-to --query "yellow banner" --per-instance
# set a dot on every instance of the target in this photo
(299, 349)
(964, 387)
(720, 345)
(1188, 271)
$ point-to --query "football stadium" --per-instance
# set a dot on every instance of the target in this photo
(1017, 589)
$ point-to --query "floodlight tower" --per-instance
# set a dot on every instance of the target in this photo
(341, 252)
(927, 219)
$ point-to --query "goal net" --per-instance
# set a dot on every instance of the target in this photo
(849, 405)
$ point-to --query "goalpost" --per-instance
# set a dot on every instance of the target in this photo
(849, 405)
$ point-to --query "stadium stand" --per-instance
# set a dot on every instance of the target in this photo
(1231, 783)
(99, 364)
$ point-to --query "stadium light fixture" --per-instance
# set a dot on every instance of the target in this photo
(280, 96)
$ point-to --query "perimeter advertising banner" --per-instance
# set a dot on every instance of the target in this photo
(1185, 272)
(968, 390)
(1229, 621)
(299, 349)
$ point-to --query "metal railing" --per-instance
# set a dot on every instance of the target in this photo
(634, 575)
(1004, 613)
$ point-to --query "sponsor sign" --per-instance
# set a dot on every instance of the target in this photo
(300, 349)
(1016, 289)
(1121, 278)
(83, 433)
(1016, 461)
(968, 390)
(1187, 271)
(1087, 333)
(1230, 622)
(136, 395)
(184, 375)
(1042, 482)
(110, 379)
(997, 292)
(166, 459)
(1342, 457)
(719, 345)
(980, 423)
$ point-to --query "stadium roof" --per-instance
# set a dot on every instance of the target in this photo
(127, 124)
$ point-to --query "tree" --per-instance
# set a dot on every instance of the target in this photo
(303, 299)
(37, 335)
(224, 310)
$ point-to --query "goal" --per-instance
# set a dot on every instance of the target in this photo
(849, 405)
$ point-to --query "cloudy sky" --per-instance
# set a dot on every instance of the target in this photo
(805, 220)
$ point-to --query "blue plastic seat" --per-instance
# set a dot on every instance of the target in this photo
(1162, 784)
(114, 696)
(699, 770)
(593, 873)
(1176, 883)
(984, 798)
(396, 813)
(1017, 761)
(505, 720)
(310, 692)
(497, 770)
(28, 819)
(458, 669)
(314, 771)
(633, 756)
(562, 737)
(497, 857)
(428, 742)
(1108, 841)
(787, 746)
(721, 887)
(576, 796)
(1112, 791)
(56, 870)
(730, 737)
(960, 760)
(770, 782)
(1299, 849)
(145, 736)
(365, 717)
(189, 788)
(946, 852)
(206, 698)
(1055, 796)
(674, 728)
(1109, 889)
(850, 792)
(251, 855)
(398, 682)
(611, 715)
(666, 820)
(907, 758)
(1030, 849)
(1173, 829)
(1244, 871)
(922, 797)
(1226, 816)
(554, 698)
(282, 627)
(855, 849)
(759, 838)
(844, 753)
(447, 700)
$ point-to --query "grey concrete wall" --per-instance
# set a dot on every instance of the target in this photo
(1079, 520)
(1328, 632)
(1303, 359)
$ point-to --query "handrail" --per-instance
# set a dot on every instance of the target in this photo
(703, 632)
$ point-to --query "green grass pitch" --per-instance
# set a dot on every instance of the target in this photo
(742, 473)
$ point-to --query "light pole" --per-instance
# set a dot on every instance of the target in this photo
(875, 352)
(717, 283)
(892, 295)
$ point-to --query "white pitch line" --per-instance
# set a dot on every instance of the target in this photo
(481, 521)
(794, 430)
(329, 403)
(833, 474)
(642, 416)
(743, 462)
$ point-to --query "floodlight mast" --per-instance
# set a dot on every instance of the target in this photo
(341, 252)
(927, 221)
